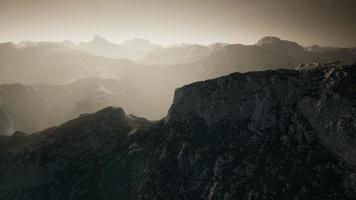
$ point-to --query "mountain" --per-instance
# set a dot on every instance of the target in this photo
(31, 108)
(278, 134)
(131, 49)
(268, 53)
(243, 58)
(100, 46)
(281, 134)
(86, 147)
(59, 64)
(52, 63)
(163, 69)
(180, 54)
(319, 49)
(139, 45)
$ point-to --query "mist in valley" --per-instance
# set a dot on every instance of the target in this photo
(47, 83)
(177, 99)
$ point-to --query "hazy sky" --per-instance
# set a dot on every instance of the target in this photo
(324, 22)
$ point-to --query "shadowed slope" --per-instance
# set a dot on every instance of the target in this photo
(281, 134)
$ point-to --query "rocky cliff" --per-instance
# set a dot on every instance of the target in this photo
(284, 134)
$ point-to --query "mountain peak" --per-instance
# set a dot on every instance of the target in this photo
(268, 40)
(276, 44)
(7, 45)
(140, 40)
(99, 39)
(139, 44)
(112, 111)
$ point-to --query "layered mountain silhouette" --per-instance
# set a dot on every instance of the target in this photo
(33, 108)
(278, 134)
(135, 49)
(178, 54)
(154, 75)
(50, 63)
(32, 63)
(268, 53)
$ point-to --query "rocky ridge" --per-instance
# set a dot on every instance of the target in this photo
(282, 134)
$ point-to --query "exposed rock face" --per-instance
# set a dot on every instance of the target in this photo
(271, 135)
(282, 134)
(157, 71)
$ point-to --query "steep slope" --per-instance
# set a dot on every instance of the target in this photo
(163, 69)
(281, 134)
(261, 135)
(86, 158)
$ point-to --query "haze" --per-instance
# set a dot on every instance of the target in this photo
(43, 84)
(323, 22)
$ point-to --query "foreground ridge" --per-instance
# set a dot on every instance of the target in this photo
(282, 134)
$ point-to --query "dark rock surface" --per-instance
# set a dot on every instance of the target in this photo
(284, 134)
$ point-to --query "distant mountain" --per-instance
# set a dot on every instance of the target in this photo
(132, 49)
(100, 46)
(139, 45)
(319, 49)
(32, 108)
(243, 58)
(163, 69)
(277, 45)
(282, 134)
(181, 54)
(52, 63)
(59, 63)
(268, 53)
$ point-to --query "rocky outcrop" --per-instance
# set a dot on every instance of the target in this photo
(284, 134)
(261, 135)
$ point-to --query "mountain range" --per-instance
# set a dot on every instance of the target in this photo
(135, 49)
(152, 75)
(33, 108)
(275, 134)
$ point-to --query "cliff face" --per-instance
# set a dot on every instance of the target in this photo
(262, 135)
(282, 134)
(323, 97)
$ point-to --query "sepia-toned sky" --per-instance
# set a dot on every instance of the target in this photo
(324, 22)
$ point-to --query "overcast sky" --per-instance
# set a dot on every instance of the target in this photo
(324, 22)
